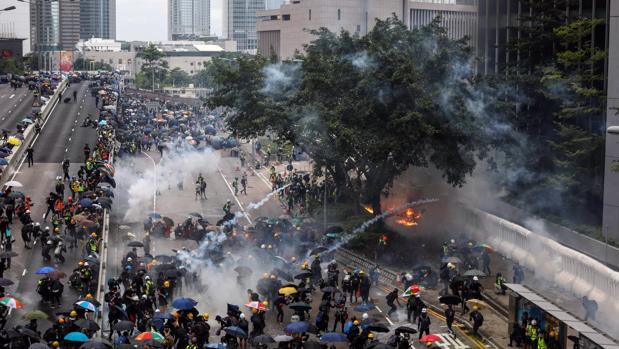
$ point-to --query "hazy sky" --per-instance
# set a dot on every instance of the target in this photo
(147, 19)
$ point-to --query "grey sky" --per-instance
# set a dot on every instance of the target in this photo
(147, 19)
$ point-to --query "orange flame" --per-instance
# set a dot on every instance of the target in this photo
(410, 218)
(368, 209)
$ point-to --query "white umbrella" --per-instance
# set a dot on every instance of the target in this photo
(13, 184)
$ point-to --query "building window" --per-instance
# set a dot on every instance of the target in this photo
(358, 28)
(339, 14)
(310, 14)
(286, 17)
(120, 61)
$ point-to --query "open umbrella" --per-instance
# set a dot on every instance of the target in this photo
(45, 270)
(405, 329)
(162, 258)
(450, 300)
(34, 315)
(483, 247)
(334, 337)
(126, 325)
(15, 184)
(381, 328)
(97, 343)
(256, 305)
(263, 339)
(154, 215)
(297, 327)
(303, 275)
(86, 305)
(451, 259)
(168, 221)
(318, 250)
(413, 290)
(152, 335)
(135, 244)
(430, 338)
(11, 302)
(184, 303)
(29, 333)
(55, 275)
(282, 274)
(87, 324)
(236, 331)
(287, 291)
(282, 338)
(14, 141)
(3, 162)
(85, 202)
(76, 337)
(300, 306)
(474, 272)
(195, 215)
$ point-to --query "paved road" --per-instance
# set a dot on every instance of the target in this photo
(177, 204)
(59, 138)
(15, 105)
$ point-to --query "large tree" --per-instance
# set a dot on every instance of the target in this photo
(365, 107)
(154, 66)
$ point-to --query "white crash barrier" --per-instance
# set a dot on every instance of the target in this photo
(569, 269)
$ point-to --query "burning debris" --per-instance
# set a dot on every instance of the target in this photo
(410, 217)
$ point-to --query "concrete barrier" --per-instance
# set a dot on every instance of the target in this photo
(16, 158)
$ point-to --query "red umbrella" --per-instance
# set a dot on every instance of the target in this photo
(430, 338)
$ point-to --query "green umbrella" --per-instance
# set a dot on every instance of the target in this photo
(35, 315)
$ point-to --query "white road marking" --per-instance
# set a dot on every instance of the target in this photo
(380, 311)
(69, 139)
(389, 321)
(235, 197)
(24, 272)
(66, 150)
(72, 130)
(11, 97)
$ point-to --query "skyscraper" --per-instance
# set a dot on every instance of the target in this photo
(240, 23)
(189, 19)
(97, 19)
(54, 25)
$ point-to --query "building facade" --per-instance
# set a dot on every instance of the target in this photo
(284, 31)
(97, 19)
(189, 19)
(611, 176)
(240, 23)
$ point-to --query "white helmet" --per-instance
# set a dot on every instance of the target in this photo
(37, 224)
(475, 278)
(533, 322)
(424, 310)
(365, 316)
(242, 316)
(129, 259)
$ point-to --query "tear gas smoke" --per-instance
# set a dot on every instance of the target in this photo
(257, 205)
(182, 163)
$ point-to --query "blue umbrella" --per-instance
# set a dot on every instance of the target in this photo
(184, 303)
(85, 202)
(45, 270)
(3, 162)
(235, 331)
(154, 215)
(297, 327)
(87, 305)
(334, 337)
(3, 154)
(27, 121)
(5, 149)
(163, 316)
(76, 337)
(102, 123)
(364, 307)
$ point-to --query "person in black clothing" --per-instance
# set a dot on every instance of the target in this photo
(423, 325)
(280, 302)
(391, 298)
(65, 169)
(515, 335)
(450, 315)
(478, 320)
(30, 156)
(74, 96)
(86, 152)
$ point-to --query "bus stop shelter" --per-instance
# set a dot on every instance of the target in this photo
(563, 329)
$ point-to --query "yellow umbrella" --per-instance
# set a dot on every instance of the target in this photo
(13, 141)
(477, 303)
(287, 291)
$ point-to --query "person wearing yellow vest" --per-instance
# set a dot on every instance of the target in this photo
(533, 334)
(541, 341)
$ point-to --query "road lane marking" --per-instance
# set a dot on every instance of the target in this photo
(235, 197)
(11, 97)
(380, 311)
(389, 321)
(24, 272)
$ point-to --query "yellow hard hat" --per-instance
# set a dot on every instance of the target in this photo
(55, 344)
(56, 230)
(205, 316)
(89, 296)
(73, 313)
(265, 303)
(273, 276)
(61, 320)
(166, 284)
(94, 235)
(190, 316)
(356, 323)
(370, 335)
(254, 310)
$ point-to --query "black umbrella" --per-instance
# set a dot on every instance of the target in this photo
(163, 267)
(318, 250)
(382, 328)
(29, 333)
(87, 324)
(450, 300)
(300, 306)
(97, 343)
(405, 329)
(282, 274)
(135, 244)
(303, 275)
(5, 282)
(235, 331)
(162, 258)
(263, 339)
(195, 215)
(8, 254)
(124, 326)
(168, 221)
